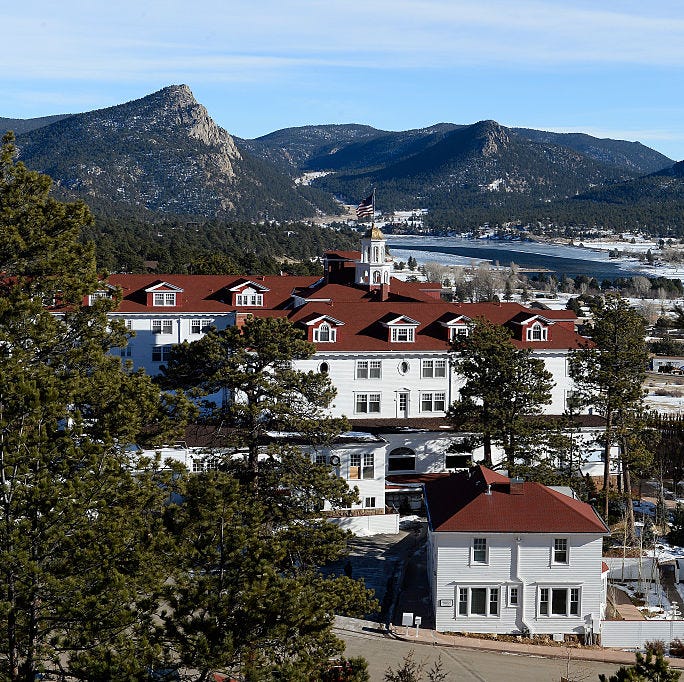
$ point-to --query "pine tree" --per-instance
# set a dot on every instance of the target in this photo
(80, 535)
(609, 372)
(504, 390)
(251, 366)
(250, 598)
(647, 669)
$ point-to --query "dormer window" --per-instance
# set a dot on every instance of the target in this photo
(249, 298)
(324, 333)
(459, 332)
(403, 334)
(537, 332)
(95, 296)
(164, 298)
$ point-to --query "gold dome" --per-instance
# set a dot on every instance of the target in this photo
(373, 233)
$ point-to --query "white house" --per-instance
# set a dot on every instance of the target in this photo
(507, 556)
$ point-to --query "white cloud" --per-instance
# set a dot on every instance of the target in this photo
(88, 38)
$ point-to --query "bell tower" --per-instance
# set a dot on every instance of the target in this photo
(373, 270)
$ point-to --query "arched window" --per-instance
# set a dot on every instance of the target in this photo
(401, 459)
(376, 277)
(404, 367)
(376, 254)
(324, 334)
(536, 332)
(386, 278)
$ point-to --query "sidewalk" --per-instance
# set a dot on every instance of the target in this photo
(602, 655)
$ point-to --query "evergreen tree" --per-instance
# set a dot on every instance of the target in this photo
(609, 372)
(648, 668)
(504, 390)
(80, 536)
(251, 368)
(250, 598)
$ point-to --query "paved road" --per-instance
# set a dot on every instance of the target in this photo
(467, 666)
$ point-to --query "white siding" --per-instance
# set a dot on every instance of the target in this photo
(525, 563)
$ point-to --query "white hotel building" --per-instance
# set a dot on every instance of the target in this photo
(383, 342)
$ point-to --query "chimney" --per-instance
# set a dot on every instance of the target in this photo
(517, 486)
(384, 291)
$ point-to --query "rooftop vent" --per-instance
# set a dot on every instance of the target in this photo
(517, 486)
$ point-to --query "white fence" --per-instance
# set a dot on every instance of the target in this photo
(633, 634)
(629, 569)
(375, 524)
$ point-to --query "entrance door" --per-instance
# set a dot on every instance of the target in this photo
(403, 404)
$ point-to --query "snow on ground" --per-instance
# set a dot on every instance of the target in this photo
(657, 605)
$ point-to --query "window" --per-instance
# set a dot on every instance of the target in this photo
(162, 326)
(161, 353)
(167, 298)
(129, 324)
(457, 461)
(512, 596)
(478, 601)
(323, 368)
(95, 296)
(369, 502)
(358, 472)
(325, 334)
(433, 402)
(479, 551)
(367, 403)
(320, 458)
(401, 459)
(536, 332)
(574, 601)
(195, 326)
(463, 601)
(458, 331)
(559, 601)
(369, 369)
(434, 368)
(126, 351)
(544, 601)
(560, 551)
(197, 466)
(368, 465)
(403, 334)
(249, 298)
(404, 367)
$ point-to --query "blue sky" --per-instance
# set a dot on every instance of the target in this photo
(608, 68)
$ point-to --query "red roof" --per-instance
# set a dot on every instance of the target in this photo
(364, 331)
(205, 293)
(360, 310)
(462, 503)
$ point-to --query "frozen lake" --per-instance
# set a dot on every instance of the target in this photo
(535, 256)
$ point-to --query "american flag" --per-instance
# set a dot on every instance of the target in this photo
(366, 208)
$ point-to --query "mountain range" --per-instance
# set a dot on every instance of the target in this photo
(163, 155)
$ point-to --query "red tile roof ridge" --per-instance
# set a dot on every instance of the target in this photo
(466, 502)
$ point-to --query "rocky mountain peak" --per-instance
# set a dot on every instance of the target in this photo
(492, 137)
(176, 106)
